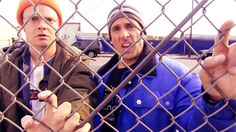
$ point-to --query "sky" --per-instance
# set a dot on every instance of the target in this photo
(96, 11)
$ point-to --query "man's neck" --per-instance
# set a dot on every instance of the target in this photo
(47, 55)
(125, 63)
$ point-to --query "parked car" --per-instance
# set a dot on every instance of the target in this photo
(93, 48)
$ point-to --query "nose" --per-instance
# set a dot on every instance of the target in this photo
(42, 25)
(125, 34)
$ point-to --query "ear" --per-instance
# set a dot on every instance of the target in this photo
(110, 41)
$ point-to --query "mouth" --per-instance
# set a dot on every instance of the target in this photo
(126, 45)
(42, 36)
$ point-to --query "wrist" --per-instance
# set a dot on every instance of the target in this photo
(208, 98)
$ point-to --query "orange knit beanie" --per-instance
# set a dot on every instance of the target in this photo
(27, 3)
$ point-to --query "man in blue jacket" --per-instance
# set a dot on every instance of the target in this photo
(163, 96)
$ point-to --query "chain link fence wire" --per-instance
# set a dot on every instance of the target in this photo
(178, 33)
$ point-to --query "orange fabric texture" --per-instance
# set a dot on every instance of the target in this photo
(27, 3)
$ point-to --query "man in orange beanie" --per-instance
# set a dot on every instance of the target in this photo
(41, 64)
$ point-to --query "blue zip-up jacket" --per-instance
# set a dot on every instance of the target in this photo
(166, 100)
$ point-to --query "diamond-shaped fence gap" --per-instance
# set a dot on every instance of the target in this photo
(108, 124)
(131, 112)
(15, 43)
(152, 94)
(162, 25)
(11, 33)
(139, 123)
(170, 13)
(209, 25)
(200, 109)
(88, 22)
(18, 102)
(106, 44)
(83, 98)
(11, 123)
(87, 49)
(171, 46)
(178, 85)
(203, 124)
(101, 77)
(188, 44)
(8, 93)
(229, 127)
(71, 69)
(74, 51)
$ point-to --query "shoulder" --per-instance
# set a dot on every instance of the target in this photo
(16, 53)
(107, 66)
(173, 68)
(69, 52)
(70, 58)
(171, 64)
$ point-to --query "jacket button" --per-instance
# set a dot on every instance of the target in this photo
(139, 102)
(167, 103)
(130, 82)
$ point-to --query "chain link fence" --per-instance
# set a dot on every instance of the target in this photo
(153, 102)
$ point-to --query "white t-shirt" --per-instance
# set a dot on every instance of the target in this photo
(35, 77)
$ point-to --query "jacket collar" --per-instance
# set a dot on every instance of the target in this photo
(26, 58)
(115, 59)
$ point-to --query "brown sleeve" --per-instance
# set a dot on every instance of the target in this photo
(80, 84)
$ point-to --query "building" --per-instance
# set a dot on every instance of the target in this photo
(68, 32)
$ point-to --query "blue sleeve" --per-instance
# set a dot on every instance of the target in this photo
(193, 112)
(197, 114)
(218, 117)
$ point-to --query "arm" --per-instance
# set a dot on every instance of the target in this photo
(82, 81)
(216, 110)
(194, 112)
(221, 67)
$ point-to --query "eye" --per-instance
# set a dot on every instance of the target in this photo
(34, 19)
(50, 20)
(130, 26)
(115, 28)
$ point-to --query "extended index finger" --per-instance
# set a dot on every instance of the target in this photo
(222, 38)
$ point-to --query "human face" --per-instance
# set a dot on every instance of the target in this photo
(125, 33)
(38, 32)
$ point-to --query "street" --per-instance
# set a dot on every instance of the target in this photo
(191, 62)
